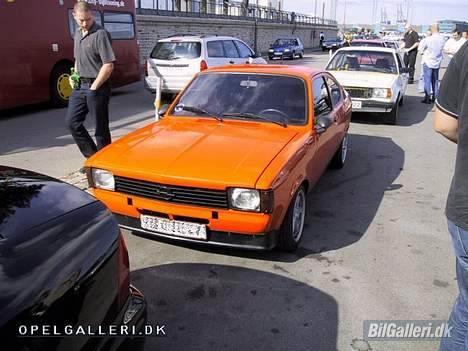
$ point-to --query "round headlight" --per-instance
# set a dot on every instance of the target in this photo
(287, 50)
(245, 199)
(103, 179)
(271, 50)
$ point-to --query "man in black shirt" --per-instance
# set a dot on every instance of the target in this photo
(451, 121)
(94, 59)
(410, 47)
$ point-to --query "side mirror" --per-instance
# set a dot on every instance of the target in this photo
(254, 55)
(163, 109)
(322, 123)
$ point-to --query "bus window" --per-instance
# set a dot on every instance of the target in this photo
(119, 25)
(72, 22)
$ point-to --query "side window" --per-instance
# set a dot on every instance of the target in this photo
(296, 43)
(322, 104)
(244, 50)
(120, 25)
(230, 49)
(335, 91)
(215, 48)
(72, 23)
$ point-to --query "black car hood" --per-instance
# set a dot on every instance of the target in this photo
(28, 199)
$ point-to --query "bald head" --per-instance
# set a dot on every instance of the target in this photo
(408, 27)
(435, 28)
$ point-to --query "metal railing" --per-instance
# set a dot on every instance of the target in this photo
(226, 9)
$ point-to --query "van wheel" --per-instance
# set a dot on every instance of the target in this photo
(401, 102)
(293, 224)
(60, 89)
(301, 55)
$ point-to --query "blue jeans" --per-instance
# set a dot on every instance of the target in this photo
(431, 78)
(459, 316)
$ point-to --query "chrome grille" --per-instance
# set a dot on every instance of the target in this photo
(362, 93)
(171, 193)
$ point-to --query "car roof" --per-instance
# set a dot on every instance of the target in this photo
(196, 38)
(368, 48)
(296, 70)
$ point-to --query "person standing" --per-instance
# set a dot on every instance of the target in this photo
(94, 62)
(451, 120)
(410, 46)
(431, 48)
(322, 38)
(454, 44)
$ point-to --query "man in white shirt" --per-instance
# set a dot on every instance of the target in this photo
(432, 48)
(454, 43)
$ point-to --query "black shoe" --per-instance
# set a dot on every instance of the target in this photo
(411, 81)
(426, 101)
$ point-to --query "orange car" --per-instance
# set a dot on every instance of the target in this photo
(232, 160)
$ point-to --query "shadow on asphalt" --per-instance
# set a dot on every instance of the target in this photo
(340, 207)
(217, 307)
(412, 112)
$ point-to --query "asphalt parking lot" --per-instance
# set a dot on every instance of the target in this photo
(376, 245)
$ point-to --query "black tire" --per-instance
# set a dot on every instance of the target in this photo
(60, 89)
(293, 55)
(401, 101)
(392, 117)
(339, 159)
(291, 235)
(301, 55)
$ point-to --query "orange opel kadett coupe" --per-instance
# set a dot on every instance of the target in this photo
(232, 160)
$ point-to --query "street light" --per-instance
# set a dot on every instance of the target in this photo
(344, 17)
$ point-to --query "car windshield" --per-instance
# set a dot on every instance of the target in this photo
(246, 96)
(176, 50)
(284, 42)
(366, 61)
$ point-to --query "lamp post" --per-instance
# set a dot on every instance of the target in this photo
(344, 17)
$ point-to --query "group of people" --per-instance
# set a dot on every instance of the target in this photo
(432, 48)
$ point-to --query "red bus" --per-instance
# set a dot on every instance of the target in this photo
(36, 44)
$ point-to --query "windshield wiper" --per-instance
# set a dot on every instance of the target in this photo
(253, 116)
(201, 111)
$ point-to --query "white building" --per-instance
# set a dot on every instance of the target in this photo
(276, 4)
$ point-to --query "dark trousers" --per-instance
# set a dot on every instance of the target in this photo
(410, 62)
(96, 103)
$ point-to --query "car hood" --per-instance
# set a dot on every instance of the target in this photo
(281, 47)
(196, 152)
(364, 79)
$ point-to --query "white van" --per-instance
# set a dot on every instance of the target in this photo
(177, 59)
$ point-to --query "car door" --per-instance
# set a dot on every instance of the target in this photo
(231, 53)
(324, 143)
(402, 81)
(215, 53)
(244, 51)
(339, 112)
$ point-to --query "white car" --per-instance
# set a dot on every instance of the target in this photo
(374, 78)
(177, 59)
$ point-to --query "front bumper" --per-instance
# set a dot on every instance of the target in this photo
(263, 241)
(280, 55)
(373, 106)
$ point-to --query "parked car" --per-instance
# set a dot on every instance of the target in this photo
(63, 262)
(284, 48)
(332, 44)
(177, 59)
(374, 77)
(231, 161)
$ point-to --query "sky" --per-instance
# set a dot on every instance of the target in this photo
(360, 11)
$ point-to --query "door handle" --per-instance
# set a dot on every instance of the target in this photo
(231, 62)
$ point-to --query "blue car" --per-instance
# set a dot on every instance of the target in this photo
(286, 48)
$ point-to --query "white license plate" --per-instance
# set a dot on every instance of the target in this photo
(278, 53)
(176, 228)
(357, 104)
